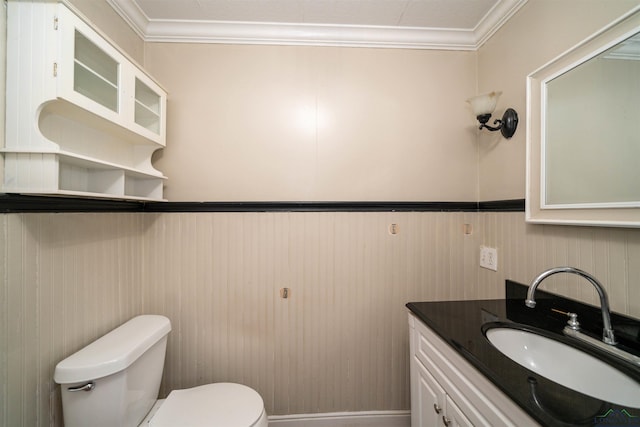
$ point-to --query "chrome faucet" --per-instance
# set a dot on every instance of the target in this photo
(608, 336)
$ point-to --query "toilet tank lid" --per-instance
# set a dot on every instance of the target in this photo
(114, 351)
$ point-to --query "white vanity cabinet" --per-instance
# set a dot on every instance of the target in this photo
(434, 406)
(446, 390)
(82, 119)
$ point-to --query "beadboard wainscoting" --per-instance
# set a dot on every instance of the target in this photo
(612, 255)
(65, 279)
(338, 344)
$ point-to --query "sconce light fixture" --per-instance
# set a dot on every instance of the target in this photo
(483, 106)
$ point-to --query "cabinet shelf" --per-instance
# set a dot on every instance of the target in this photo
(84, 161)
(98, 118)
(87, 118)
(95, 72)
(87, 194)
(147, 107)
(95, 87)
(147, 118)
(38, 172)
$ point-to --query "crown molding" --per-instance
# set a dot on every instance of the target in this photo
(188, 31)
(496, 18)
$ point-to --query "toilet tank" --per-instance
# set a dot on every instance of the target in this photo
(114, 381)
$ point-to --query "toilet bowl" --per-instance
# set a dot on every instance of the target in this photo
(218, 404)
(114, 381)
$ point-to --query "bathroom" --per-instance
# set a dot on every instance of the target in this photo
(386, 125)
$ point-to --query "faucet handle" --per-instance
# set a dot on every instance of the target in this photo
(573, 323)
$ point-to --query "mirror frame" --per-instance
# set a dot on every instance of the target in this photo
(612, 34)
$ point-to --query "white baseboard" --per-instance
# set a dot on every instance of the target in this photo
(344, 419)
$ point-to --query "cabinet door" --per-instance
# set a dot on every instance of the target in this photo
(454, 416)
(149, 102)
(89, 68)
(431, 398)
(95, 76)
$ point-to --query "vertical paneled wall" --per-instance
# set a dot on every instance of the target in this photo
(65, 279)
(612, 255)
(339, 343)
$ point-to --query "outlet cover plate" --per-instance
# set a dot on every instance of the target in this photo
(489, 258)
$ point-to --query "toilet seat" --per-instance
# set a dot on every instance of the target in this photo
(218, 404)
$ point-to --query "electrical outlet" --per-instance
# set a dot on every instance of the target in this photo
(489, 258)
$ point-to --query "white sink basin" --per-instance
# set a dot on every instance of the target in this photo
(566, 365)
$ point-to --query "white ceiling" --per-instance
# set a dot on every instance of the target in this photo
(422, 24)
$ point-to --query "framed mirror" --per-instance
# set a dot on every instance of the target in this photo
(583, 133)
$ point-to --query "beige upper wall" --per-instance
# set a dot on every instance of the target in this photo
(539, 32)
(102, 15)
(291, 123)
(391, 124)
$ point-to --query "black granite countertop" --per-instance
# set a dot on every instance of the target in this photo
(460, 323)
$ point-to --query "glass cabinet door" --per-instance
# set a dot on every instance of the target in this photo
(147, 107)
(96, 74)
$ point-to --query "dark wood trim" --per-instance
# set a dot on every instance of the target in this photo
(311, 207)
(14, 203)
(514, 205)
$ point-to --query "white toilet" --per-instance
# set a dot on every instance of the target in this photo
(114, 381)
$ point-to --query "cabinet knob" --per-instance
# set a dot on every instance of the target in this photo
(437, 408)
(446, 421)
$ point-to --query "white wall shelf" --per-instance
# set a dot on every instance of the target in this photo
(82, 119)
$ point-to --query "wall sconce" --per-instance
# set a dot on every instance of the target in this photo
(483, 106)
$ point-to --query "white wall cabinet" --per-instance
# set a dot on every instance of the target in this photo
(82, 119)
(446, 390)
